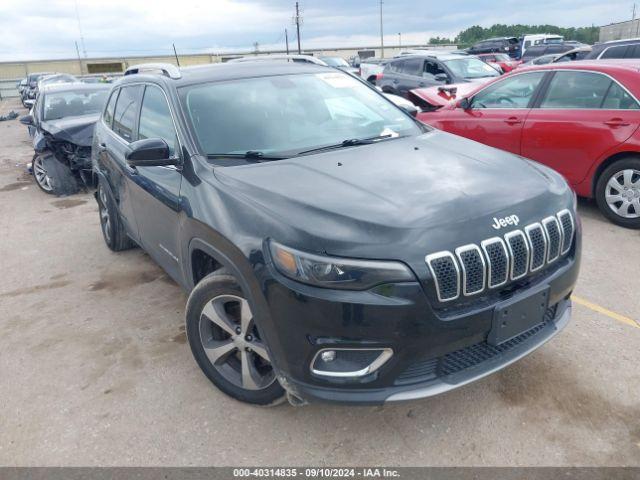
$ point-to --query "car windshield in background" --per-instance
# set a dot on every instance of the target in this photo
(470, 68)
(289, 114)
(335, 61)
(72, 104)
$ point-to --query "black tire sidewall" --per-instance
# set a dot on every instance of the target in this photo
(35, 179)
(603, 179)
(209, 287)
(119, 239)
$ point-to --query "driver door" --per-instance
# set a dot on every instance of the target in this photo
(497, 113)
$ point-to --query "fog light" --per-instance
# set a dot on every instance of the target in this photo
(328, 356)
(349, 362)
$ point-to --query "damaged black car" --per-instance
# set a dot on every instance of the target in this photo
(63, 119)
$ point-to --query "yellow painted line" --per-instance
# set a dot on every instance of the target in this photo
(605, 311)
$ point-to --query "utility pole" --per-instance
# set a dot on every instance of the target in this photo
(176, 54)
(381, 33)
(286, 39)
(297, 20)
(399, 39)
(84, 50)
(79, 59)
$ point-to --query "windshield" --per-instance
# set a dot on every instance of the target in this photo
(335, 61)
(71, 104)
(470, 68)
(288, 114)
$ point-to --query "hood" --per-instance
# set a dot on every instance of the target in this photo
(441, 96)
(77, 130)
(421, 190)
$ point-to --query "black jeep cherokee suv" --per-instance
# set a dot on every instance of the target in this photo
(335, 248)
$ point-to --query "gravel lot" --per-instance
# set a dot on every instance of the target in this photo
(95, 369)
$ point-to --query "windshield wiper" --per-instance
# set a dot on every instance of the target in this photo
(248, 155)
(350, 142)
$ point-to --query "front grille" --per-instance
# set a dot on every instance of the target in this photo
(468, 357)
(473, 269)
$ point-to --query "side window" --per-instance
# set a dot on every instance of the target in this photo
(412, 66)
(615, 52)
(619, 99)
(576, 90)
(432, 69)
(155, 118)
(395, 67)
(124, 117)
(107, 116)
(513, 92)
(633, 51)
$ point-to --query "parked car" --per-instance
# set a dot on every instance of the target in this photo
(504, 61)
(415, 71)
(341, 63)
(579, 53)
(543, 60)
(546, 49)
(579, 118)
(508, 45)
(63, 119)
(48, 80)
(28, 95)
(334, 248)
(615, 49)
(371, 68)
(531, 40)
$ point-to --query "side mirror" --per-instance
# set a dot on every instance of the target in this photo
(441, 77)
(150, 152)
(464, 103)
(410, 109)
(26, 120)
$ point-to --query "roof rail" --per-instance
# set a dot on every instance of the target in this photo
(167, 69)
(277, 56)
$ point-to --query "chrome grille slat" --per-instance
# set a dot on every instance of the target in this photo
(518, 253)
(446, 275)
(498, 262)
(474, 269)
(554, 238)
(568, 229)
(538, 244)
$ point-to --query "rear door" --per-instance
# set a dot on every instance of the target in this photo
(156, 190)
(410, 76)
(112, 144)
(497, 112)
(580, 117)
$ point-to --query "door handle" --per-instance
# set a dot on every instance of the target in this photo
(617, 122)
(102, 147)
(513, 121)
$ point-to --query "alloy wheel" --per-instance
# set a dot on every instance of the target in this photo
(232, 343)
(105, 219)
(41, 175)
(622, 193)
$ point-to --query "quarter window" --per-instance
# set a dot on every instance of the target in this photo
(576, 90)
(126, 110)
(155, 118)
(107, 116)
(514, 92)
(619, 99)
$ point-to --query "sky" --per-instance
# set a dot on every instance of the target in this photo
(42, 29)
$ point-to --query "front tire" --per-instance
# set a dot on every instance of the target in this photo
(618, 192)
(113, 231)
(226, 343)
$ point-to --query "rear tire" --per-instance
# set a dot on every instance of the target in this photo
(113, 231)
(226, 343)
(618, 192)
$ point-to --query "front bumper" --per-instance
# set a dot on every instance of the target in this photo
(433, 350)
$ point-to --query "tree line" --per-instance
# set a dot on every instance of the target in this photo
(474, 34)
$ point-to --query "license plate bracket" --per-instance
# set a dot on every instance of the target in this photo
(517, 315)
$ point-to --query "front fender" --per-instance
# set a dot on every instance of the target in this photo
(39, 141)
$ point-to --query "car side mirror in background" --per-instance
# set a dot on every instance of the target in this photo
(464, 103)
(26, 120)
(410, 109)
(150, 152)
(441, 77)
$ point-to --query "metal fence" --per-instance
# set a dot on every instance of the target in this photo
(8, 88)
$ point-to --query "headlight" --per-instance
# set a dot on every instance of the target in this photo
(333, 272)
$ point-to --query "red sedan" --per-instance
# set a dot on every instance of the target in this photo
(505, 61)
(580, 118)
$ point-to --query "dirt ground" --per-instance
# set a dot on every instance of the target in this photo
(95, 369)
